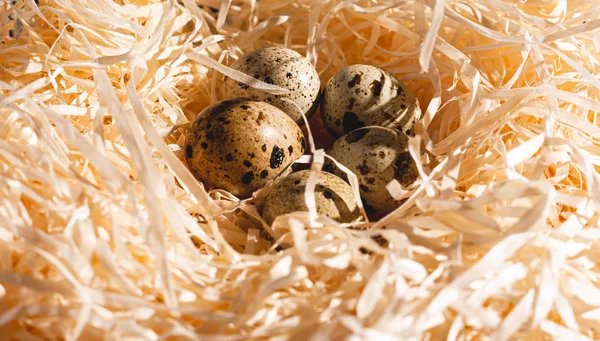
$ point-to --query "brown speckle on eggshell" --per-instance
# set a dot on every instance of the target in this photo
(333, 197)
(231, 145)
(365, 95)
(377, 156)
(282, 67)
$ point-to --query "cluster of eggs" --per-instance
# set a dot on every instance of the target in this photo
(247, 139)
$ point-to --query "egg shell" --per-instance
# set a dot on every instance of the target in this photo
(333, 197)
(365, 95)
(240, 144)
(282, 67)
(377, 156)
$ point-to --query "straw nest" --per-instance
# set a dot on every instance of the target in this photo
(106, 235)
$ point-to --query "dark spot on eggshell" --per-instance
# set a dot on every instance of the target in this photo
(403, 106)
(370, 181)
(247, 163)
(382, 155)
(399, 91)
(303, 144)
(261, 117)
(351, 103)
(290, 149)
(296, 182)
(223, 120)
(209, 135)
(364, 188)
(247, 178)
(405, 169)
(264, 147)
(243, 85)
(245, 107)
(229, 157)
(376, 88)
(351, 122)
(269, 80)
(264, 173)
(277, 157)
(338, 122)
(204, 145)
(189, 151)
(327, 194)
(356, 135)
(365, 251)
(363, 168)
(355, 80)
(289, 75)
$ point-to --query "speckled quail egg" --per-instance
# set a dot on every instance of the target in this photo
(282, 67)
(376, 155)
(333, 197)
(240, 144)
(365, 95)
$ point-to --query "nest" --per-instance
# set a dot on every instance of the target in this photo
(105, 235)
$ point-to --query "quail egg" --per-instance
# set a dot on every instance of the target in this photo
(333, 197)
(365, 95)
(240, 144)
(282, 67)
(376, 155)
